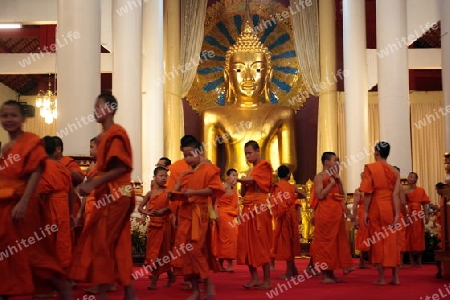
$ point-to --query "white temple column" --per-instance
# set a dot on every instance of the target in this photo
(126, 78)
(393, 82)
(153, 93)
(78, 70)
(445, 50)
(356, 97)
(327, 132)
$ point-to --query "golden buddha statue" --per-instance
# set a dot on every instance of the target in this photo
(250, 116)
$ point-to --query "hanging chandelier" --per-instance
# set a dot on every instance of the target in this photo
(47, 104)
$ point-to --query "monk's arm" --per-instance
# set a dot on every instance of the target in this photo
(77, 178)
(367, 200)
(117, 169)
(32, 184)
(19, 210)
(143, 203)
(201, 192)
(72, 200)
(396, 196)
(426, 210)
(402, 202)
(356, 198)
(321, 192)
(246, 180)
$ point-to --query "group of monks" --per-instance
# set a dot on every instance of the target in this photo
(188, 208)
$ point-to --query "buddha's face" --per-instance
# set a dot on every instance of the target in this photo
(248, 74)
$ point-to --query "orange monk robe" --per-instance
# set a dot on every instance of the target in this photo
(159, 234)
(362, 234)
(89, 205)
(227, 210)
(415, 232)
(286, 239)
(20, 266)
(379, 180)
(72, 165)
(193, 222)
(103, 254)
(54, 187)
(401, 233)
(330, 244)
(175, 170)
(255, 222)
(313, 200)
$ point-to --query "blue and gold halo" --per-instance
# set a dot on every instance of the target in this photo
(223, 25)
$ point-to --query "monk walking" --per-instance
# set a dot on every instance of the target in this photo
(330, 244)
(22, 160)
(227, 211)
(286, 237)
(195, 187)
(103, 254)
(380, 185)
(255, 232)
(160, 228)
(416, 197)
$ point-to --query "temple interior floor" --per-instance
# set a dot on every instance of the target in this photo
(415, 283)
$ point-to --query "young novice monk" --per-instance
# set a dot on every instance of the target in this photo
(160, 231)
(21, 162)
(227, 211)
(103, 254)
(196, 186)
(286, 243)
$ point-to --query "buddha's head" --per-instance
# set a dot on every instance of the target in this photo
(247, 70)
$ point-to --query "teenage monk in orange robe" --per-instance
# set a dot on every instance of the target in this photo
(227, 211)
(77, 178)
(30, 263)
(55, 188)
(103, 254)
(160, 228)
(415, 232)
(194, 188)
(380, 185)
(330, 244)
(286, 237)
(362, 232)
(255, 229)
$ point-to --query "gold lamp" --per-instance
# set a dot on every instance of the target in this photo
(47, 104)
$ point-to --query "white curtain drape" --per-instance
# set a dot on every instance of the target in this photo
(427, 137)
(305, 26)
(193, 14)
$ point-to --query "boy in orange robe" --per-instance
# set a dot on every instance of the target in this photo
(362, 233)
(416, 197)
(55, 188)
(194, 188)
(160, 229)
(103, 254)
(77, 178)
(227, 211)
(256, 232)
(380, 185)
(25, 265)
(330, 244)
(286, 237)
